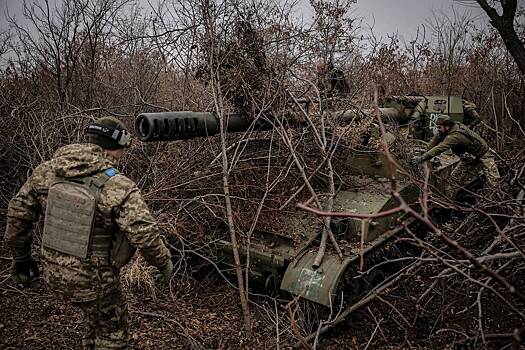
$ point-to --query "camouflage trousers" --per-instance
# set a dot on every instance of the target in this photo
(105, 322)
(466, 172)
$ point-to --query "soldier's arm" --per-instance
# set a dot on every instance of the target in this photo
(433, 142)
(136, 222)
(24, 209)
(448, 142)
(475, 120)
(471, 115)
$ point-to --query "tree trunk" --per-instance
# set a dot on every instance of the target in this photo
(512, 43)
(504, 24)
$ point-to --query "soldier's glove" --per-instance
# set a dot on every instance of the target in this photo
(416, 160)
(22, 270)
(165, 274)
(467, 157)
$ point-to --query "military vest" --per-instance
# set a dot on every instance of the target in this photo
(477, 146)
(69, 223)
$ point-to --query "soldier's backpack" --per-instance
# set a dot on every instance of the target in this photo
(69, 223)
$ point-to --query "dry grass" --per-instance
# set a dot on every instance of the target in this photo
(139, 278)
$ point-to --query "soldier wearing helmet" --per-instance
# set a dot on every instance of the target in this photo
(94, 220)
(476, 157)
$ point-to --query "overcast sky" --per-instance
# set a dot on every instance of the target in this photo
(389, 16)
(404, 16)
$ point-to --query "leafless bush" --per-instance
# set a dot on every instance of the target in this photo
(94, 58)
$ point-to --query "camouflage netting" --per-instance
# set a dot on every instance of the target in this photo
(247, 79)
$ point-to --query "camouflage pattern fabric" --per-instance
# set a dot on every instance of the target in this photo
(120, 210)
(105, 322)
(471, 116)
(461, 141)
(466, 172)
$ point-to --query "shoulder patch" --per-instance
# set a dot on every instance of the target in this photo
(116, 190)
(110, 172)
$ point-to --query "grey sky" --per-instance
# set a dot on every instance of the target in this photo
(404, 16)
(389, 16)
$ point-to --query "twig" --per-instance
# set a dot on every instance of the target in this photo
(367, 299)
(193, 342)
(302, 341)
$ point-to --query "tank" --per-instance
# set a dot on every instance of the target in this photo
(282, 252)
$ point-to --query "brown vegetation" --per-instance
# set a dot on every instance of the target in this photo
(84, 59)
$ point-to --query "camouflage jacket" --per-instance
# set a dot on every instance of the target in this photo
(460, 139)
(471, 116)
(120, 210)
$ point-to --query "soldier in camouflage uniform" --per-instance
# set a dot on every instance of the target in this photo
(471, 116)
(476, 159)
(120, 223)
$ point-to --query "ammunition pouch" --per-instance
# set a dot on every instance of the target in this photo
(122, 251)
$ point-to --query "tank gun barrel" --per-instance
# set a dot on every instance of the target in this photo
(406, 99)
(387, 114)
(171, 126)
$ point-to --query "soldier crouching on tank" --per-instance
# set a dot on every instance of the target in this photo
(475, 156)
(94, 220)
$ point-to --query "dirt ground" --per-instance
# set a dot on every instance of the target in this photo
(206, 314)
(30, 318)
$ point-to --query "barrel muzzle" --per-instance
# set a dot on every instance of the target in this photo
(170, 126)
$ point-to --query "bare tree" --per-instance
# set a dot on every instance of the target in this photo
(504, 23)
(451, 38)
(61, 37)
(212, 19)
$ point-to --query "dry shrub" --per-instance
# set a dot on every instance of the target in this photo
(181, 181)
(137, 276)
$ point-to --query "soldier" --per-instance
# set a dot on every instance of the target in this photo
(94, 220)
(471, 116)
(474, 153)
(331, 81)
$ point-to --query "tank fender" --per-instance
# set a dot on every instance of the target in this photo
(317, 285)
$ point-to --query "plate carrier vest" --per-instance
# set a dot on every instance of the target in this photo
(69, 223)
(478, 147)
